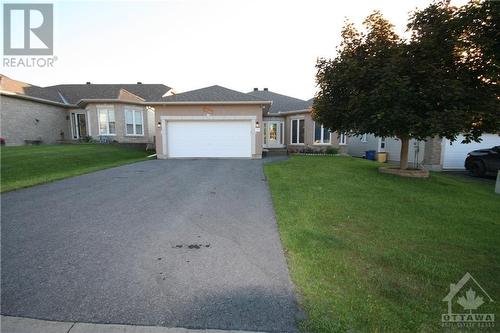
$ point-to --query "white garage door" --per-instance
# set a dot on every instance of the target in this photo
(455, 154)
(209, 138)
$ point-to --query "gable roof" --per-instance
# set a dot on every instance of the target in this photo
(76, 92)
(23, 88)
(281, 103)
(71, 94)
(213, 94)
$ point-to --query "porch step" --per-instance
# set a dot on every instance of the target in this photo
(275, 152)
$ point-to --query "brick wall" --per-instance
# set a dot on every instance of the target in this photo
(432, 153)
(27, 120)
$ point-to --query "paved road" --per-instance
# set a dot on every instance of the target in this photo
(176, 243)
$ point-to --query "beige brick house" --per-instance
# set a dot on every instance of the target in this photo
(209, 122)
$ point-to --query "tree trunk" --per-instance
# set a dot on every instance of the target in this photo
(403, 160)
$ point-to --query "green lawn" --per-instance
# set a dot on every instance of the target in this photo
(30, 165)
(371, 252)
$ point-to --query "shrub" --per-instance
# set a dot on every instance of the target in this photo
(332, 150)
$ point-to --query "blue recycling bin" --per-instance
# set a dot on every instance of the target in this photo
(370, 155)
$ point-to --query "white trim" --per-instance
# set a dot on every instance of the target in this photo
(165, 119)
(322, 143)
(294, 111)
(73, 122)
(379, 146)
(133, 110)
(208, 118)
(298, 131)
(88, 123)
(102, 108)
(344, 141)
(280, 135)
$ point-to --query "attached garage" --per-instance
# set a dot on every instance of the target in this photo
(212, 122)
(454, 153)
(209, 138)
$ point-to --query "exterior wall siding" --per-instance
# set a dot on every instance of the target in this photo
(215, 110)
(358, 148)
(392, 148)
(22, 120)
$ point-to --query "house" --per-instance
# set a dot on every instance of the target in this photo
(433, 154)
(61, 113)
(359, 144)
(208, 122)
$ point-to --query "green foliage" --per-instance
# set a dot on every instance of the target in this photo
(331, 150)
(443, 81)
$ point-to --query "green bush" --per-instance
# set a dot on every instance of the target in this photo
(331, 150)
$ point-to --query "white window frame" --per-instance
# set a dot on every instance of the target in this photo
(298, 143)
(323, 142)
(364, 138)
(133, 110)
(342, 139)
(106, 109)
(382, 144)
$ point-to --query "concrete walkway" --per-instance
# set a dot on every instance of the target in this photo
(26, 325)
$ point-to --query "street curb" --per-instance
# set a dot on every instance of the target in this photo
(10, 324)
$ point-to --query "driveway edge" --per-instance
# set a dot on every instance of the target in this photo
(10, 324)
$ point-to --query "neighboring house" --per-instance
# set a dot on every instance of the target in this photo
(208, 122)
(110, 112)
(433, 153)
(358, 145)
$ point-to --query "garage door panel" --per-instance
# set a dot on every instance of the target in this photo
(455, 154)
(209, 139)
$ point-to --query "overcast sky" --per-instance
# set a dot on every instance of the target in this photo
(189, 44)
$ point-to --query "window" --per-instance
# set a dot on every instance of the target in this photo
(297, 133)
(133, 122)
(342, 139)
(364, 138)
(321, 134)
(107, 124)
(381, 144)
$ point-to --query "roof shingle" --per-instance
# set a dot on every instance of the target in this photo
(73, 93)
(213, 94)
(281, 103)
(76, 92)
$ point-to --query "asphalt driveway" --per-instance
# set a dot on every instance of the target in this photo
(177, 243)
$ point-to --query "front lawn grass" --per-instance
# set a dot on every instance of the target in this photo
(373, 252)
(30, 165)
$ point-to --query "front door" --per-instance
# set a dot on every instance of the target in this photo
(79, 124)
(273, 133)
(82, 125)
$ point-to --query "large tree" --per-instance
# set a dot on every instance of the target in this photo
(440, 82)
